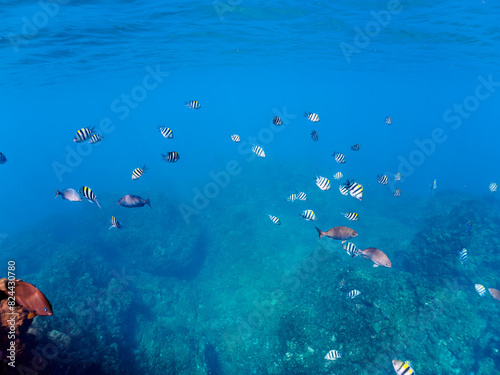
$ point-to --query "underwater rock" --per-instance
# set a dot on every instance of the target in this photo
(60, 339)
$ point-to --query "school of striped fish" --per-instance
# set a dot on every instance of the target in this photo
(350, 187)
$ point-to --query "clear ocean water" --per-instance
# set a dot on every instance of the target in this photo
(203, 282)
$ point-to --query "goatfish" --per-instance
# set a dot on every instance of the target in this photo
(495, 293)
(115, 223)
(131, 201)
(32, 299)
(377, 256)
(89, 194)
(402, 368)
(83, 134)
(69, 194)
(338, 233)
(193, 104)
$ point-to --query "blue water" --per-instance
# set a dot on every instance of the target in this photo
(126, 67)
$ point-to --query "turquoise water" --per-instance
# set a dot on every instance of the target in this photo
(203, 282)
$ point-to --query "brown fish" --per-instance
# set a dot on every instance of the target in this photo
(376, 256)
(495, 293)
(29, 297)
(338, 233)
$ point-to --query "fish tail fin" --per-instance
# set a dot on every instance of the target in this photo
(321, 233)
(98, 205)
(57, 193)
(148, 203)
(306, 114)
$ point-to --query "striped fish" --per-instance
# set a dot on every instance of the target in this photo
(355, 189)
(480, 289)
(193, 104)
(382, 179)
(259, 151)
(274, 219)
(89, 194)
(351, 249)
(353, 294)
(138, 172)
(323, 183)
(83, 134)
(339, 157)
(235, 138)
(312, 116)
(96, 138)
(397, 192)
(3, 159)
(388, 120)
(332, 355)
(308, 215)
(292, 197)
(166, 132)
(434, 185)
(397, 177)
(341, 284)
(402, 368)
(302, 196)
(314, 136)
(338, 175)
(343, 190)
(463, 256)
(277, 121)
(353, 216)
(115, 223)
(493, 187)
(468, 227)
(356, 147)
(171, 157)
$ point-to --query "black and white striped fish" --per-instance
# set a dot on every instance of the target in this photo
(339, 157)
(382, 179)
(463, 256)
(193, 104)
(402, 368)
(314, 136)
(274, 219)
(83, 134)
(355, 189)
(480, 289)
(259, 151)
(138, 172)
(115, 223)
(308, 215)
(356, 147)
(493, 187)
(351, 249)
(353, 294)
(292, 197)
(333, 355)
(171, 157)
(96, 138)
(343, 190)
(277, 121)
(323, 183)
(166, 132)
(89, 194)
(302, 196)
(353, 216)
(397, 192)
(235, 138)
(312, 116)
(338, 175)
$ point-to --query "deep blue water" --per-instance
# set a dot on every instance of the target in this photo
(126, 67)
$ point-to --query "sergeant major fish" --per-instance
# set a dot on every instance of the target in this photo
(83, 134)
(402, 368)
(89, 194)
